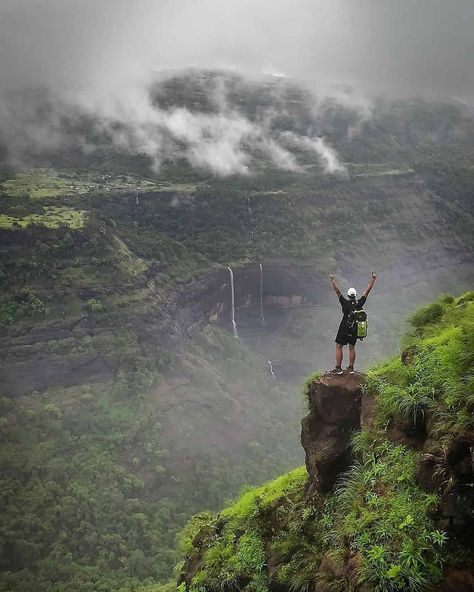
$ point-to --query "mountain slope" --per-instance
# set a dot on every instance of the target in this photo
(399, 518)
(116, 354)
(96, 482)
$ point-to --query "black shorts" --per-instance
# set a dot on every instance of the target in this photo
(343, 336)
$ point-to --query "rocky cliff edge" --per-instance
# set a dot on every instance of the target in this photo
(334, 413)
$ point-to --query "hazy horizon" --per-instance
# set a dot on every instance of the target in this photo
(102, 59)
(405, 48)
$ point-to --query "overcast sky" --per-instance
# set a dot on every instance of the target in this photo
(408, 46)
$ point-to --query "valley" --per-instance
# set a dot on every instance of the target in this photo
(118, 363)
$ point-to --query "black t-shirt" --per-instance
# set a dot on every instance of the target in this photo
(347, 306)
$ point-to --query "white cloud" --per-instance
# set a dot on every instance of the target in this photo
(327, 155)
(222, 141)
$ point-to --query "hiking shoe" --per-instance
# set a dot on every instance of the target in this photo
(350, 369)
(337, 370)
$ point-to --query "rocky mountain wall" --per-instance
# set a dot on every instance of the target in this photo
(334, 413)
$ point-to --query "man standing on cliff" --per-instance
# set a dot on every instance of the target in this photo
(345, 334)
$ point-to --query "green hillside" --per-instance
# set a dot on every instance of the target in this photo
(94, 484)
(379, 528)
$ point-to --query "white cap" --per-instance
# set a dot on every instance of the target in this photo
(352, 292)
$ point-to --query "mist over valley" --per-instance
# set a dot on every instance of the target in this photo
(166, 234)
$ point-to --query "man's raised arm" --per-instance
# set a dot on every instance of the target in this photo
(371, 284)
(334, 285)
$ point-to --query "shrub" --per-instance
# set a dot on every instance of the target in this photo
(26, 303)
(427, 315)
(382, 514)
(95, 305)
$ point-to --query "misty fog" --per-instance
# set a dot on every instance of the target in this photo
(403, 47)
(103, 59)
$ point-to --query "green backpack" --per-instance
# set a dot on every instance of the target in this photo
(357, 323)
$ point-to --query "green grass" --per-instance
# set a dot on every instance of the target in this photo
(439, 380)
(265, 495)
(40, 183)
(377, 514)
(239, 548)
(382, 515)
(43, 183)
(176, 187)
(52, 217)
(371, 169)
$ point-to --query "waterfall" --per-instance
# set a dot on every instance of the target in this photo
(262, 318)
(232, 292)
(249, 209)
(270, 365)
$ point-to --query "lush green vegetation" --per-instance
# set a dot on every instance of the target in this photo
(383, 518)
(375, 528)
(95, 483)
(51, 217)
(439, 382)
(25, 303)
(74, 515)
(43, 183)
(239, 548)
(90, 270)
(378, 514)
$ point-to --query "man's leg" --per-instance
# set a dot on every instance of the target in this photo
(338, 355)
(352, 355)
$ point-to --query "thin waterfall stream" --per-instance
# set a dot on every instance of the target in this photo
(270, 366)
(262, 317)
(232, 293)
(249, 209)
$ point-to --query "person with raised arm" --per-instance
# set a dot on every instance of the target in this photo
(346, 334)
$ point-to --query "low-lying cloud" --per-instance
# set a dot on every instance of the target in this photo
(223, 141)
(327, 156)
(84, 53)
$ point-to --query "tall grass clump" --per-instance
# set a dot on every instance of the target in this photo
(382, 515)
(437, 381)
(233, 541)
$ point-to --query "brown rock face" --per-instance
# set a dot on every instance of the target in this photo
(450, 474)
(458, 580)
(335, 408)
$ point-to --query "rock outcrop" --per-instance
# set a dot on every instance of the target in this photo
(334, 412)
(443, 468)
(337, 407)
(449, 471)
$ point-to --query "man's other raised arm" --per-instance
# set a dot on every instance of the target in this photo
(334, 285)
(371, 284)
